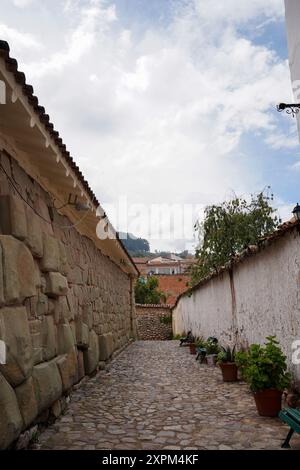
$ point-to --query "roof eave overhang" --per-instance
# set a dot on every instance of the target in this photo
(24, 135)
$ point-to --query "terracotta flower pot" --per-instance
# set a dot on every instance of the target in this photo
(229, 371)
(193, 349)
(268, 402)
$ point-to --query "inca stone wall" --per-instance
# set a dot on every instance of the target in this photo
(64, 307)
(151, 324)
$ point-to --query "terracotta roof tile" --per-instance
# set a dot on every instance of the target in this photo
(12, 66)
(172, 286)
(154, 305)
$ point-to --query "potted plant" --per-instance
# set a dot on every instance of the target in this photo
(226, 362)
(201, 349)
(264, 368)
(193, 345)
(212, 350)
(193, 348)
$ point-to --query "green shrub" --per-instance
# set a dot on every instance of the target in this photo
(212, 346)
(200, 342)
(166, 319)
(264, 367)
(226, 355)
(177, 337)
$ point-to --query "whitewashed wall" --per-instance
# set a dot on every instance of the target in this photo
(266, 290)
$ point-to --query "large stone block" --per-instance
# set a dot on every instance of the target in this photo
(14, 331)
(18, 269)
(42, 305)
(49, 338)
(47, 384)
(96, 318)
(105, 346)
(66, 341)
(30, 304)
(43, 209)
(91, 355)
(27, 401)
(37, 348)
(52, 307)
(73, 329)
(38, 275)
(13, 217)
(64, 266)
(37, 306)
(75, 275)
(51, 254)
(82, 335)
(62, 310)
(79, 294)
(35, 328)
(34, 234)
(67, 365)
(10, 417)
(56, 409)
(56, 285)
(85, 273)
(87, 315)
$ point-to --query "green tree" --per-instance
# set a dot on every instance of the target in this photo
(146, 291)
(230, 227)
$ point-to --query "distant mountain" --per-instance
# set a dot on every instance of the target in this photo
(134, 245)
(140, 248)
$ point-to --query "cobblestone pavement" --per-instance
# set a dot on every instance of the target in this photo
(155, 396)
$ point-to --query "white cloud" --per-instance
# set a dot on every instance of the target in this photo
(280, 140)
(159, 116)
(238, 11)
(22, 3)
(21, 40)
(71, 5)
(285, 211)
(295, 166)
(94, 20)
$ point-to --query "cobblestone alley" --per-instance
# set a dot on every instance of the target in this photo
(155, 396)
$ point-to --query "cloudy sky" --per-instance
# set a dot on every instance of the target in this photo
(164, 101)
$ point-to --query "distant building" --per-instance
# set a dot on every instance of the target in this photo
(172, 274)
(173, 286)
(171, 266)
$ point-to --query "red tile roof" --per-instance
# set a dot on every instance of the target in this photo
(172, 286)
(141, 260)
(154, 306)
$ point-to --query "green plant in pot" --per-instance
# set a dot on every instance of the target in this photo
(201, 349)
(193, 348)
(226, 362)
(212, 350)
(264, 368)
(200, 342)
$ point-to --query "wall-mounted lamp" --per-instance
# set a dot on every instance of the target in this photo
(79, 206)
(292, 109)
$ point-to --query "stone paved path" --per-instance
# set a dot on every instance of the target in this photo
(155, 396)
